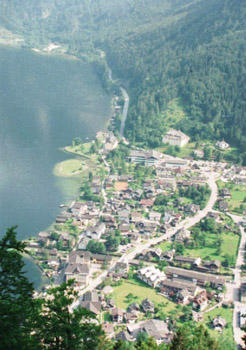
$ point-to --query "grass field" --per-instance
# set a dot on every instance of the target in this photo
(82, 149)
(165, 246)
(224, 313)
(229, 246)
(68, 167)
(140, 292)
(238, 194)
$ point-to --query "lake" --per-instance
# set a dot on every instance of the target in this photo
(45, 101)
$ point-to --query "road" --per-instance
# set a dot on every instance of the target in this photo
(125, 108)
(234, 288)
(187, 223)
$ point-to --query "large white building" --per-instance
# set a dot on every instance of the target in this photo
(175, 138)
(152, 276)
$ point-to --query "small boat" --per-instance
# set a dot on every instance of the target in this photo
(62, 205)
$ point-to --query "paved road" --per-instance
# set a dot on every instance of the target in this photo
(125, 108)
(140, 247)
(233, 289)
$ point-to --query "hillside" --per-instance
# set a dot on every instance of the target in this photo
(192, 50)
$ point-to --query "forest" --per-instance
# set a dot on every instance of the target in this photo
(160, 50)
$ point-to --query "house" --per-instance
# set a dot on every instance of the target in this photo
(184, 259)
(172, 287)
(53, 262)
(225, 193)
(108, 329)
(200, 301)
(168, 255)
(134, 237)
(131, 317)
(80, 272)
(155, 216)
(215, 216)
(148, 306)
(242, 316)
(175, 138)
(151, 276)
(77, 257)
(124, 336)
(107, 290)
(91, 296)
(240, 180)
(213, 265)
(101, 259)
(134, 307)
(222, 144)
(196, 278)
(224, 206)
(147, 226)
(182, 235)
(183, 296)
(199, 154)
(124, 228)
(95, 232)
(121, 268)
(153, 328)
(147, 203)
(243, 290)
(123, 215)
(118, 315)
(78, 208)
(92, 306)
(219, 323)
(83, 243)
(191, 209)
(62, 219)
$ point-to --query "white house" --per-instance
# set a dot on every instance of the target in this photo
(222, 144)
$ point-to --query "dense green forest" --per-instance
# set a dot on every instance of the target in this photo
(187, 49)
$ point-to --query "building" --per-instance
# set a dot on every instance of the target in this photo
(197, 278)
(154, 328)
(243, 290)
(219, 323)
(152, 276)
(148, 306)
(222, 144)
(171, 288)
(118, 315)
(145, 157)
(175, 138)
(79, 272)
(182, 235)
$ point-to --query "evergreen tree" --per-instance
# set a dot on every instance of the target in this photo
(59, 327)
(17, 307)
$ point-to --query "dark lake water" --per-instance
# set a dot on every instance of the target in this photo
(45, 101)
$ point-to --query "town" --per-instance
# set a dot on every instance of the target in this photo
(153, 240)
